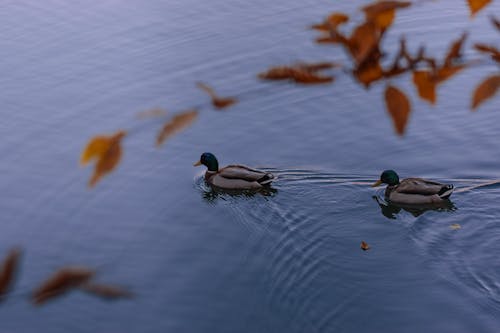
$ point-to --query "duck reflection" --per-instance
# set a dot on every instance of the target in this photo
(211, 194)
(390, 210)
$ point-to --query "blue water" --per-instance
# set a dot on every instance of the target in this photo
(199, 262)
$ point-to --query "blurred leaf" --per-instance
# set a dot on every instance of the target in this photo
(495, 22)
(332, 21)
(175, 125)
(426, 85)
(485, 90)
(364, 246)
(107, 150)
(304, 73)
(106, 291)
(60, 282)
(369, 72)
(382, 13)
(151, 113)
(493, 51)
(444, 73)
(8, 270)
(455, 51)
(398, 107)
(363, 42)
(306, 77)
(217, 102)
(455, 226)
(477, 5)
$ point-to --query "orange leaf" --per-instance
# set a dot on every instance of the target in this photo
(332, 22)
(60, 282)
(218, 102)
(477, 5)
(317, 66)
(364, 246)
(455, 50)
(398, 107)
(109, 158)
(363, 41)
(426, 85)
(306, 77)
(382, 13)
(8, 270)
(445, 73)
(95, 149)
(106, 291)
(485, 90)
(176, 124)
(368, 73)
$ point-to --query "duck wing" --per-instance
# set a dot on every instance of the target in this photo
(241, 172)
(423, 187)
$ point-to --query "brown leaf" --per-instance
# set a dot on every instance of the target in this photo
(455, 226)
(60, 282)
(305, 77)
(493, 51)
(444, 73)
(382, 13)
(485, 90)
(368, 72)
(218, 102)
(398, 107)
(426, 85)
(477, 5)
(363, 42)
(175, 125)
(277, 73)
(317, 66)
(108, 158)
(455, 51)
(332, 22)
(364, 246)
(304, 73)
(151, 113)
(8, 271)
(106, 291)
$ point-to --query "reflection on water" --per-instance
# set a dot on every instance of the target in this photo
(390, 209)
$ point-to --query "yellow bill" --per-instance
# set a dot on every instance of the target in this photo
(197, 163)
(377, 183)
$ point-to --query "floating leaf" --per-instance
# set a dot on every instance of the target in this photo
(426, 85)
(369, 72)
(455, 51)
(217, 102)
(151, 113)
(107, 150)
(8, 270)
(477, 5)
(106, 291)
(60, 282)
(398, 107)
(175, 125)
(364, 246)
(334, 20)
(304, 73)
(444, 73)
(455, 226)
(491, 50)
(317, 66)
(485, 90)
(364, 42)
(382, 13)
(306, 77)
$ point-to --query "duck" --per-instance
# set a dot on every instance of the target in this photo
(233, 177)
(413, 191)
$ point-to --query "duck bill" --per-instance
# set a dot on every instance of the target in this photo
(197, 163)
(377, 183)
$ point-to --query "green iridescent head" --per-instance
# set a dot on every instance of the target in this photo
(389, 177)
(209, 160)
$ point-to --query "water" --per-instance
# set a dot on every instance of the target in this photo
(199, 262)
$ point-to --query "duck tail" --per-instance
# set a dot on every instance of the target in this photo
(266, 179)
(446, 191)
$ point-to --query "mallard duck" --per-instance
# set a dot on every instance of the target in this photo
(233, 177)
(413, 191)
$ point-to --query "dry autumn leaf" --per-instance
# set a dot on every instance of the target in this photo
(426, 85)
(369, 72)
(455, 226)
(398, 107)
(485, 90)
(491, 50)
(363, 42)
(175, 125)
(304, 73)
(107, 150)
(477, 5)
(332, 22)
(8, 271)
(217, 102)
(382, 13)
(364, 246)
(60, 282)
(106, 291)
(151, 113)
(455, 51)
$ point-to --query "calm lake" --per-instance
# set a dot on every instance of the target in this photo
(204, 262)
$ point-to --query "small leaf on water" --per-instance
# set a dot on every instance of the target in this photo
(217, 102)
(426, 85)
(151, 113)
(369, 72)
(108, 158)
(175, 125)
(493, 51)
(364, 42)
(455, 51)
(485, 90)
(477, 5)
(304, 73)
(455, 226)
(106, 291)
(382, 13)
(364, 246)
(60, 282)
(332, 22)
(398, 107)
(8, 271)
(95, 149)
(444, 73)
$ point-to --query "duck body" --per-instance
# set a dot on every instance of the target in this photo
(233, 177)
(414, 191)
